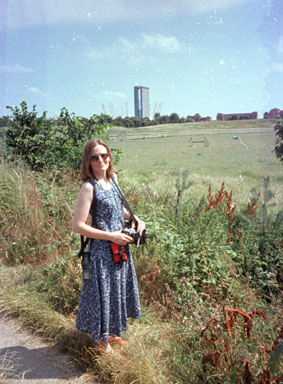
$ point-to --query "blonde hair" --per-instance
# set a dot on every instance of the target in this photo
(86, 169)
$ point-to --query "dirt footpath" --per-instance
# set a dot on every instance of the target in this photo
(25, 358)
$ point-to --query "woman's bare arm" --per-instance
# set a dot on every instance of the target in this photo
(80, 220)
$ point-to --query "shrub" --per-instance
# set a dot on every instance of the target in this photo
(278, 128)
(49, 143)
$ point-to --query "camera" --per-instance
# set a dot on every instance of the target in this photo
(132, 233)
(136, 236)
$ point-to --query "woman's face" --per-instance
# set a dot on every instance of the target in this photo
(99, 160)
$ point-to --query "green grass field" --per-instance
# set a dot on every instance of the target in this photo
(191, 127)
(241, 163)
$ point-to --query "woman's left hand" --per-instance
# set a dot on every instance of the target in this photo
(141, 225)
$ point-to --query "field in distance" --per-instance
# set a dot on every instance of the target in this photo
(118, 133)
(237, 152)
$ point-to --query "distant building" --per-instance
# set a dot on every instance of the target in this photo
(141, 95)
(237, 116)
(274, 113)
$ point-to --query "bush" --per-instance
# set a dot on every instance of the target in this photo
(49, 143)
(278, 128)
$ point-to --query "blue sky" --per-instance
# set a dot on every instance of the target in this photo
(196, 56)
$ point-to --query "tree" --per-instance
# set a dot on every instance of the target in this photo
(118, 121)
(48, 143)
(128, 122)
(4, 120)
(197, 117)
(174, 118)
(26, 132)
(137, 122)
(278, 128)
(164, 119)
(146, 122)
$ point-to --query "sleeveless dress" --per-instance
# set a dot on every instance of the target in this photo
(111, 295)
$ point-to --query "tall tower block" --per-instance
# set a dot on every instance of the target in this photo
(141, 96)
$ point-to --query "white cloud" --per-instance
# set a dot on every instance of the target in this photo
(29, 13)
(168, 44)
(95, 54)
(15, 69)
(144, 50)
(126, 45)
(35, 91)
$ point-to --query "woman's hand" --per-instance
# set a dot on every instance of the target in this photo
(141, 225)
(121, 238)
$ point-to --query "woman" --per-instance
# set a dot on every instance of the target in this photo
(111, 295)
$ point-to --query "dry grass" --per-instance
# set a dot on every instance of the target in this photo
(144, 360)
(7, 368)
(17, 300)
(158, 351)
(33, 208)
(20, 203)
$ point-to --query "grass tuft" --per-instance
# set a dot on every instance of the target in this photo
(143, 360)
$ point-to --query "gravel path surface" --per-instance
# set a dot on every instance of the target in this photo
(25, 358)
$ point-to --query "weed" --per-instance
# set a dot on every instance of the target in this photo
(181, 185)
(226, 358)
(222, 196)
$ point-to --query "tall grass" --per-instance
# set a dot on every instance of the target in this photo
(37, 206)
(7, 368)
(187, 273)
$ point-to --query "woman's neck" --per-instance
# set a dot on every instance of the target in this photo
(105, 183)
(101, 176)
(102, 179)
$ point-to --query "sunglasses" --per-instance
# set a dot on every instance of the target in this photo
(104, 156)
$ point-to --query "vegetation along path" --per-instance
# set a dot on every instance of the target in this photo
(26, 358)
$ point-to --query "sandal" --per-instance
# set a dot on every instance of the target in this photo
(117, 340)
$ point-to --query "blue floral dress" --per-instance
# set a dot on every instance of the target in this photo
(111, 295)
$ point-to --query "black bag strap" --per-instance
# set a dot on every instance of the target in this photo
(126, 204)
(84, 242)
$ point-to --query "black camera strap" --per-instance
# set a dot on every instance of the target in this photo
(126, 205)
(84, 241)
